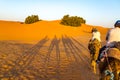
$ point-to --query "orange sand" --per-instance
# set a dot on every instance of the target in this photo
(30, 32)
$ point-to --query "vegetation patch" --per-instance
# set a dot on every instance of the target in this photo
(72, 21)
(31, 19)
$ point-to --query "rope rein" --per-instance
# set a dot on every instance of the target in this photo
(108, 72)
(106, 56)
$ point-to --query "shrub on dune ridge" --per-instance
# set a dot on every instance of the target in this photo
(31, 19)
(72, 21)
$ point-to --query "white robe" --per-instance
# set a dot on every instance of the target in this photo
(96, 35)
(112, 36)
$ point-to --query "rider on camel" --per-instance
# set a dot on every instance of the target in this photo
(112, 37)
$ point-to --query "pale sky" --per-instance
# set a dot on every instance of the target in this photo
(95, 12)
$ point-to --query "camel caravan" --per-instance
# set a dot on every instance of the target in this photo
(107, 57)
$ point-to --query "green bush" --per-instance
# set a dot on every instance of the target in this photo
(72, 21)
(31, 19)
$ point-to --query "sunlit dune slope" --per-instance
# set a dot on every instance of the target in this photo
(18, 31)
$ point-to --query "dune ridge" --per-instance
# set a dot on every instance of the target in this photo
(10, 30)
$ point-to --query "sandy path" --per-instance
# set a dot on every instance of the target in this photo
(66, 58)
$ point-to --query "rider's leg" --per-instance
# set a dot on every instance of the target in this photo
(100, 51)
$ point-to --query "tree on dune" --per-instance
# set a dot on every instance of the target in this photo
(72, 21)
(31, 19)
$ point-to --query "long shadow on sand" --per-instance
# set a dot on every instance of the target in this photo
(24, 61)
(74, 53)
(51, 63)
(74, 50)
(53, 45)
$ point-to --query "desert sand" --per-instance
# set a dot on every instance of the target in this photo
(29, 32)
(46, 50)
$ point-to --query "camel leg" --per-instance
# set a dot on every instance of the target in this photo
(93, 64)
(117, 67)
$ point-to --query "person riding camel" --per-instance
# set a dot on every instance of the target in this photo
(112, 38)
(94, 45)
(95, 34)
(94, 42)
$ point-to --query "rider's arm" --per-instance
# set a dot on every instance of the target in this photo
(107, 36)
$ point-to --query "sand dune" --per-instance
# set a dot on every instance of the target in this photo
(50, 58)
(30, 32)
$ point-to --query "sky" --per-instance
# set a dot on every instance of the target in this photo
(95, 12)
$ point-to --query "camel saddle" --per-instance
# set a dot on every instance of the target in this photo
(114, 52)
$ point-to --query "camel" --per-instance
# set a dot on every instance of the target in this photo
(94, 47)
(110, 67)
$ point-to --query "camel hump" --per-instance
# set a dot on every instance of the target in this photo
(94, 46)
(114, 52)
